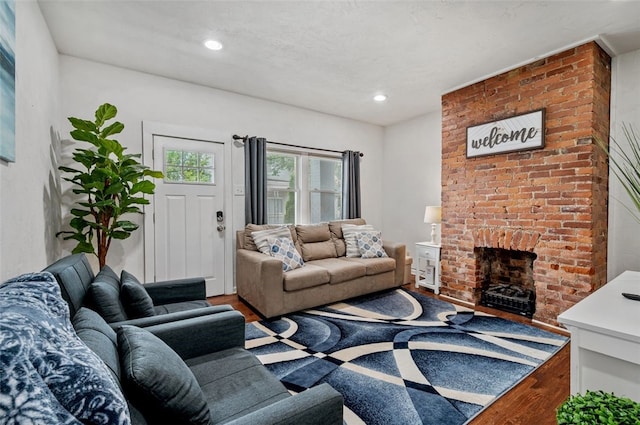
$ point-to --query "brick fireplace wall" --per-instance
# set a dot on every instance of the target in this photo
(550, 201)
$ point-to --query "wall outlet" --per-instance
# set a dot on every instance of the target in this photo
(238, 190)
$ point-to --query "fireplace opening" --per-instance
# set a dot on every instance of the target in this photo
(507, 280)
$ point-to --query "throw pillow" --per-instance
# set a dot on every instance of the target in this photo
(284, 250)
(349, 232)
(159, 383)
(260, 237)
(137, 302)
(370, 245)
(105, 295)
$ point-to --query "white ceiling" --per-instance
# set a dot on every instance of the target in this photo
(333, 56)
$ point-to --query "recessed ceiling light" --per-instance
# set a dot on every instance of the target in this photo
(213, 44)
(380, 98)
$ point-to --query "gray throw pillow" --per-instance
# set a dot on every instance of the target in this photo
(105, 295)
(135, 299)
(158, 381)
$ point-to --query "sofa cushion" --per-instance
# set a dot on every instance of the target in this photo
(235, 383)
(370, 245)
(99, 337)
(350, 231)
(284, 250)
(318, 250)
(250, 228)
(137, 302)
(181, 306)
(158, 381)
(374, 266)
(308, 233)
(74, 275)
(45, 366)
(340, 271)
(105, 295)
(305, 277)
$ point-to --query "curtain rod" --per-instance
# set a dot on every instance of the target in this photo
(243, 138)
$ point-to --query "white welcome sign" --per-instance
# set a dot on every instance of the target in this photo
(517, 133)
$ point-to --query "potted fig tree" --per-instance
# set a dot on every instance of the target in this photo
(110, 182)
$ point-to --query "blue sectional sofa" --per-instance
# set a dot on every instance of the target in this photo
(58, 367)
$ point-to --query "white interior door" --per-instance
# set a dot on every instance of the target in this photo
(189, 211)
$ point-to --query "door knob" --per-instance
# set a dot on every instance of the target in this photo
(221, 227)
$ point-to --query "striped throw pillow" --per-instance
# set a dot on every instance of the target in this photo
(260, 237)
(349, 232)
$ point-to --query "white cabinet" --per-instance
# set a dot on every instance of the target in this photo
(605, 339)
(428, 266)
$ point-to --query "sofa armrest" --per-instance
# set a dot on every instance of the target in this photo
(398, 252)
(259, 281)
(175, 291)
(202, 335)
(321, 405)
(144, 322)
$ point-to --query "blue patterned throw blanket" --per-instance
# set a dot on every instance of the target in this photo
(47, 374)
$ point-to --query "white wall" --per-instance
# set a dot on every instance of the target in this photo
(412, 178)
(142, 97)
(29, 201)
(624, 231)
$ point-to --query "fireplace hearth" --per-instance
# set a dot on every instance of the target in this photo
(511, 298)
(507, 280)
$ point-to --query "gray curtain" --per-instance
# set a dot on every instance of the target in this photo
(255, 180)
(350, 184)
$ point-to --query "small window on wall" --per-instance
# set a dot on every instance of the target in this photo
(188, 167)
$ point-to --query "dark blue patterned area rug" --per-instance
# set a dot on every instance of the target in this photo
(402, 358)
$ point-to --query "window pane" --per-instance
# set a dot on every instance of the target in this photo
(206, 175)
(325, 174)
(173, 157)
(173, 174)
(206, 160)
(190, 159)
(325, 206)
(281, 171)
(281, 207)
(190, 174)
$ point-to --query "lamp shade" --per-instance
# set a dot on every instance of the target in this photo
(432, 214)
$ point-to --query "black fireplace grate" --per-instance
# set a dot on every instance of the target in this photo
(511, 298)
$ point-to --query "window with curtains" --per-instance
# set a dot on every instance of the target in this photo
(303, 187)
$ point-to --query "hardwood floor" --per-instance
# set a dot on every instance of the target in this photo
(532, 402)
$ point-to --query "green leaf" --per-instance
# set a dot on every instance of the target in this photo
(127, 226)
(85, 247)
(120, 234)
(83, 125)
(144, 186)
(114, 128)
(114, 188)
(104, 113)
(154, 174)
(68, 169)
(85, 136)
(78, 223)
(79, 213)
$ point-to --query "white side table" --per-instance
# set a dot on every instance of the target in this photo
(605, 339)
(428, 266)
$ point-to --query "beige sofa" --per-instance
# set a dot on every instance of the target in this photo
(327, 275)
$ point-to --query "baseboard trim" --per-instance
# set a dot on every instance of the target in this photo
(466, 303)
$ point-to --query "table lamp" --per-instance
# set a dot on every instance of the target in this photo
(433, 215)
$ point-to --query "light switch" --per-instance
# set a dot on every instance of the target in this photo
(238, 190)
